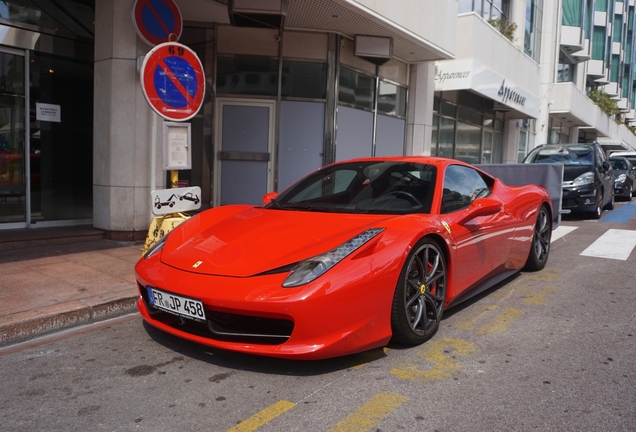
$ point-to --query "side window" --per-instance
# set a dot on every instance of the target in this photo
(462, 185)
(600, 157)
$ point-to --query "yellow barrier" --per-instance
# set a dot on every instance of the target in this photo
(162, 225)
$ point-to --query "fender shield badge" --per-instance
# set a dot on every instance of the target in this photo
(197, 264)
(446, 226)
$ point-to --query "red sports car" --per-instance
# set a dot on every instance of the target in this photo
(353, 255)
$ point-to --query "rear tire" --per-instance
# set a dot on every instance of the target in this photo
(418, 302)
(540, 248)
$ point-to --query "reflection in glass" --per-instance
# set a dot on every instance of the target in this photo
(356, 89)
(61, 151)
(12, 139)
(446, 138)
(468, 143)
(304, 80)
(392, 99)
(486, 154)
(247, 75)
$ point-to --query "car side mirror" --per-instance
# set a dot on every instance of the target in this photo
(480, 207)
(267, 198)
(605, 165)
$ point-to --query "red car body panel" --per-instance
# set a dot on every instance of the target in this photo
(225, 257)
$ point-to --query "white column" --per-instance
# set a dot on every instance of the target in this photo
(420, 109)
(122, 125)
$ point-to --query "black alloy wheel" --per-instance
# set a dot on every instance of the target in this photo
(540, 248)
(420, 294)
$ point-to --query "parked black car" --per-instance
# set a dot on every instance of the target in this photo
(625, 174)
(588, 178)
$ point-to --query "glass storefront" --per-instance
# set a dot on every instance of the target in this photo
(465, 127)
(13, 164)
(46, 113)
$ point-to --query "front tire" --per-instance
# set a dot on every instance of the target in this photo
(598, 211)
(610, 205)
(420, 294)
(540, 248)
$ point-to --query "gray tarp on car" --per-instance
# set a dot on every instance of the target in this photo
(550, 176)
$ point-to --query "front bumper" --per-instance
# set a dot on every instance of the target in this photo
(579, 198)
(255, 315)
(622, 190)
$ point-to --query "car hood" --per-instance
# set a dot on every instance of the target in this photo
(570, 172)
(241, 241)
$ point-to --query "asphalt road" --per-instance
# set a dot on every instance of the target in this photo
(552, 350)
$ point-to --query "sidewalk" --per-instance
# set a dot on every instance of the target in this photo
(56, 278)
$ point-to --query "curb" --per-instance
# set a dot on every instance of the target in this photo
(25, 326)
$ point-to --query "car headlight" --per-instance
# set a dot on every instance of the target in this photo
(311, 268)
(156, 247)
(621, 178)
(583, 179)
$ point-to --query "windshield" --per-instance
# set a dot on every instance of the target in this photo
(570, 155)
(619, 164)
(364, 187)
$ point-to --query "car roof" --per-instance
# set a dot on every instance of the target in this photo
(623, 153)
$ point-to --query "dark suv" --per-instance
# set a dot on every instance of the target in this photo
(588, 178)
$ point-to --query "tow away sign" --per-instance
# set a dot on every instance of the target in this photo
(166, 201)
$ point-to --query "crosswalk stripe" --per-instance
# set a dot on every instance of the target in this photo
(561, 231)
(614, 244)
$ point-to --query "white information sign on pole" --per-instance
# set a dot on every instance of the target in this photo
(166, 201)
(176, 146)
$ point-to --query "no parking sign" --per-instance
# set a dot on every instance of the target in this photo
(173, 81)
(157, 21)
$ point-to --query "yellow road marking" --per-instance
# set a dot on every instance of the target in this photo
(539, 298)
(370, 413)
(369, 356)
(444, 366)
(545, 275)
(472, 315)
(265, 416)
(502, 321)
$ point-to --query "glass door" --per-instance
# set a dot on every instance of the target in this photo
(14, 165)
(244, 147)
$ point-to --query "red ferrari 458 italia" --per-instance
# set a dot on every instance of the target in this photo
(352, 256)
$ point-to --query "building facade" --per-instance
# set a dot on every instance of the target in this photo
(292, 85)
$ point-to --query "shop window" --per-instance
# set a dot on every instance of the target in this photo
(356, 89)
(62, 16)
(304, 80)
(247, 76)
(486, 153)
(497, 148)
(391, 99)
(446, 138)
(64, 148)
(448, 109)
(469, 116)
(468, 143)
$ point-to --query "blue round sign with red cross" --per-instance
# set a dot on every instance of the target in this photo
(157, 21)
(173, 81)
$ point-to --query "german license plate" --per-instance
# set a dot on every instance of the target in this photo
(177, 305)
